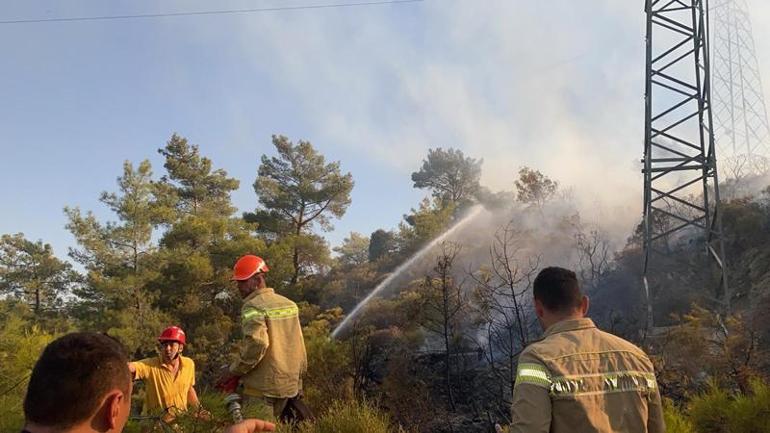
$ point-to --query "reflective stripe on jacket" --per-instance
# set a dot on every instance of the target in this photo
(581, 379)
(272, 356)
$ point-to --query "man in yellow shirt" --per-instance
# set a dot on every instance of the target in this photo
(169, 378)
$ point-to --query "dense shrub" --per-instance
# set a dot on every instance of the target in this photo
(348, 417)
(21, 342)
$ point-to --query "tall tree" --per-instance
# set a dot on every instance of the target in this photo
(534, 188)
(121, 259)
(297, 189)
(443, 307)
(423, 224)
(381, 243)
(30, 272)
(449, 174)
(202, 240)
(198, 187)
(354, 250)
(502, 295)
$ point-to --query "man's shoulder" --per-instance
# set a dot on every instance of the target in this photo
(267, 303)
(186, 361)
(149, 362)
(146, 367)
(278, 299)
(619, 343)
(532, 351)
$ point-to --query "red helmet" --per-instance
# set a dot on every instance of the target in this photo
(247, 266)
(173, 333)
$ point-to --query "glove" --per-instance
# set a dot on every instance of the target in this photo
(228, 384)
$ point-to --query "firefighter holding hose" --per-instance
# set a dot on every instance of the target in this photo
(271, 359)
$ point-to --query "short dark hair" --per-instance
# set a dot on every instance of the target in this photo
(71, 378)
(558, 289)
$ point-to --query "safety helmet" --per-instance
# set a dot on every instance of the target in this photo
(247, 266)
(173, 333)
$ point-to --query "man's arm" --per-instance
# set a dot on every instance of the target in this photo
(192, 397)
(655, 421)
(255, 341)
(531, 408)
(139, 370)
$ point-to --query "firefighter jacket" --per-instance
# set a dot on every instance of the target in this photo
(272, 356)
(580, 379)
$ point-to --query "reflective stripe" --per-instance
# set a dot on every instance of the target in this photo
(603, 383)
(251, 313)
(282, 313)
(534, 374)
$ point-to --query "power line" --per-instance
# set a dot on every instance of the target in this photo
(214, 12)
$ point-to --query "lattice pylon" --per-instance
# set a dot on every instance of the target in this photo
(681, 186)
(742, 132)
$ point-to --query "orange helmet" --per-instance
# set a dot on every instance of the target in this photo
(173, 333)
(247, 266)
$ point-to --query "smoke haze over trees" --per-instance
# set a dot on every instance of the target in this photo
(437, 351)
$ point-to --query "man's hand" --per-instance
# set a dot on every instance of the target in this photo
(228, 383)
(251, 426)
(202, 414)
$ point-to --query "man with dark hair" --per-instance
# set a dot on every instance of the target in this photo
(81, 384)
(578, 378)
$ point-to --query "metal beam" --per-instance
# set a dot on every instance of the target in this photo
(677, 138)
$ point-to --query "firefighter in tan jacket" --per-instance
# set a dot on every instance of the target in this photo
(578, 378)
(272, 357)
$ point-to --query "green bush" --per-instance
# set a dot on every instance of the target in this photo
(189, 422)
(709, 410)
(21, 342)
(347, 417)
(340, 417)
(330, 373)
(751, 413)
(676, 421)
(717, 411)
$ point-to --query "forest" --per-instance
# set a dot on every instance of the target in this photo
(436, 349)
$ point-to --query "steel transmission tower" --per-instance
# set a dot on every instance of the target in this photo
(681, 189)
(741, 129)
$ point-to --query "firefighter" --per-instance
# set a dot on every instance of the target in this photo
(578, 378)
(169, 377)
(271, 359)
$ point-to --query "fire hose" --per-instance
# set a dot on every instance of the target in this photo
(233, 405)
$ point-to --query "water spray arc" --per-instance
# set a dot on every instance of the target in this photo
(472, 213)
(680, 170)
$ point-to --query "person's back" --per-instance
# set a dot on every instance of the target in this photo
(278, 373)
(578, 378)
(596, 382)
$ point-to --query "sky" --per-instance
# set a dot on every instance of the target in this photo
(552, 84)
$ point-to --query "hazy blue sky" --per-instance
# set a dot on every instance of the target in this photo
(553, 84)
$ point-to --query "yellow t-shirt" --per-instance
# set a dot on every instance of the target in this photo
(164, 389)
